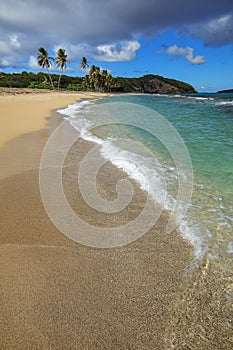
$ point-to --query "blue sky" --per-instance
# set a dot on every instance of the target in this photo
(190, 41)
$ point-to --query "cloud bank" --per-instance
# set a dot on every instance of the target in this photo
(216, 32)
(108, 30)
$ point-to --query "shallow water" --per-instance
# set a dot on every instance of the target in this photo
(205, 124)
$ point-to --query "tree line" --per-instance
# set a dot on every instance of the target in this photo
(97, 79)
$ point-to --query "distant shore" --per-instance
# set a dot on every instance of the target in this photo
(228, 91)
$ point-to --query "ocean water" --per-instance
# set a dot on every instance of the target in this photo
(204, 123)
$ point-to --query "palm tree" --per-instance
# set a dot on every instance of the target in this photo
(44, 61)
(84, 63)
(92, 75)
(97, 78)
(92, 71)
(106, 79)
(61, 60)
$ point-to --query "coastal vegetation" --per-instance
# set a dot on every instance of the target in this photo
(97, 79)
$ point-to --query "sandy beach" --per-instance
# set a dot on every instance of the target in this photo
(28, 111)
(57, 294)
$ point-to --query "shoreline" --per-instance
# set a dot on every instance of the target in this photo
(25, 118)
(21, 116)
(57, 294)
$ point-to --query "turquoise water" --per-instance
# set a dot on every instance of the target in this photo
(205, 124)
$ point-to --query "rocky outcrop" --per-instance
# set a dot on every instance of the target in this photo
(155, 84)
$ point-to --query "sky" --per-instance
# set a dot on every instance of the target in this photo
(184, 40)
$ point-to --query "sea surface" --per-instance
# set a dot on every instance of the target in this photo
(204, 123)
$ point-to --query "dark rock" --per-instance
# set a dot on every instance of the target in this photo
(155, 84)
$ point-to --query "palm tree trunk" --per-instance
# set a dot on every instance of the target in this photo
(59, 80)
(50, 79)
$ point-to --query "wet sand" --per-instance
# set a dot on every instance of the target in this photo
(58, 294)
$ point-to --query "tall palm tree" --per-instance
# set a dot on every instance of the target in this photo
(61, 60)
(92, 75)
(84, 63)
(45, 61)
(92, 71)
(97, 78)
(106, 79)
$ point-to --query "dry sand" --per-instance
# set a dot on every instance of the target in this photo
(24, 112)
(57, 294)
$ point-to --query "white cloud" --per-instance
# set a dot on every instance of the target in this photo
(9, 44)
(33, 63)
(186, 52)
(125, 51)
(14, 42)
(115, 52)
(4, 63)
(221, 22)
(75, 52)
(10, 51)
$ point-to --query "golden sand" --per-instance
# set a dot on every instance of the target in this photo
(21, 114)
